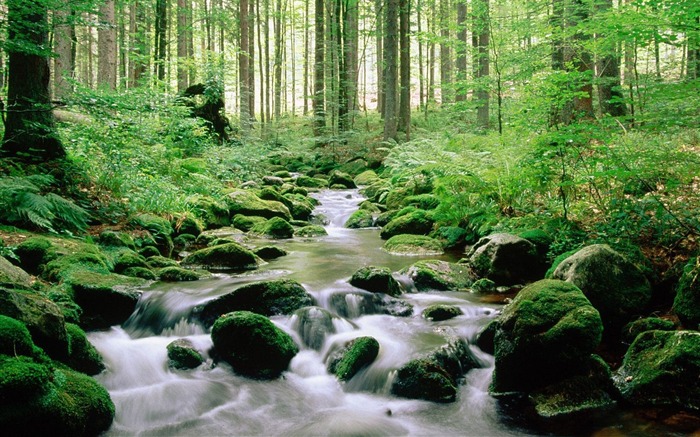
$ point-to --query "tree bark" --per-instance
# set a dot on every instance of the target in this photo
(446, 86)
(29, 127)
(183, 7)
(350, 43)
(461, 61)
(482, 32)
(609, 86)
(319, 123)
(243, 64)
(107, 47)
(161, 27)
(307, 26)
(64, 34)
(379, 11)
(391, 48)
(404, 121)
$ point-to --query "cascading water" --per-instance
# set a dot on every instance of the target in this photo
(152, 399)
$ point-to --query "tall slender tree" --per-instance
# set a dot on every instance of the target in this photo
(161, 39)
(391, 52)
(63, 66)
(107, 46)
(481, 63)
(404, 121)
(446, 86)
(319, 122)
(243, 65)
(461, 60)
(183, 10)
(609, 86)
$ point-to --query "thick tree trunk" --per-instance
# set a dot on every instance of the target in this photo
(243, 64)
(64, 34)
(391, 48)
(161, 40)
(183, 7)
(29, 127)
(107, 47)
(404, 122)
(609, 85)
(319, 123)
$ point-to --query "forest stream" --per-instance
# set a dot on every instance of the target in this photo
(152, 399)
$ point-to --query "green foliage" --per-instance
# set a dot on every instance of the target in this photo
(28, 202)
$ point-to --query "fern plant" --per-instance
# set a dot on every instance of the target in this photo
(26, 202)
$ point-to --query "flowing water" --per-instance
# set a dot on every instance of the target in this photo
(152, 399)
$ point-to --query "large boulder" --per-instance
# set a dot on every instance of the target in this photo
(687, 302)
(38, 399)
(10, 273)
(252, 344)
(340, 179)
(613, 285)
(247, 203)
(279, 296)
(229, 256)
(42, 317)
(361, 218)
(183, 355)
(413, 245)
(83, 356)
(661, 369)
(277, 228)
(376, 280)
(439, 275)
(15, 338)
(505, 259)
(352, 357)
(441, 312)
(544, 336)
(435, 377)
(418, 222)
(356, 304)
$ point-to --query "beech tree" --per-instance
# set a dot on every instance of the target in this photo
(391, 48)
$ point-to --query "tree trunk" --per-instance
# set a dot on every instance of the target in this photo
(64, 34)
(319, 123)
(183, 7)
(461, 61)
(107, 47)
(243, 64)
(421, 77)
(307, 26)
(446, 87)
(279, 32)
(29, 127)
(350, 39)
(137, 58)
(379, 11)
(391, 48)
(404, 122)
(251, 63)
(161, 27)
(263, 55)
(482, 32)
(609, 91)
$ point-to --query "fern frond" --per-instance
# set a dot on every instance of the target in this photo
(69, 214)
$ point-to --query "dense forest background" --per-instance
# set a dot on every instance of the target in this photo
(517, 113)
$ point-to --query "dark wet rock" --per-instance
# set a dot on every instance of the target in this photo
(505, 259)
(416, 245)
(10, 273)
(440, 312)
(231, 256)
(183, 355)
(356, 304)
(418, 222)
(313, 325)
(252, 344)
(269, 252)
(661, 369)
(34, 252)
(485, 337)
(613, 285)
(376, 280)
(544, 336)
(352, 357)
(439, 275)
(687, 302)
(280, 296)
(42, 317)
(636, 327)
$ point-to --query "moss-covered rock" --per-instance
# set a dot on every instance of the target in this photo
(38, 400)
(451, 237)
(505, 259)
(213, 213)
(541, 239)
(128, 259)
(269, 252)
(245, 202)
(279, 296)
(483, 285)
(310, 182)
(376, 191)
(418, 222)
(426, 201)
(149, 251)
(424, 379)
(42, 317)
(140, 272)
(360, 219)
(183, 355)
(187, 224)
(636, 327)
(159, 229)
(106, 299)
(376, 280)
(300, 206)
(276, 227)
(440, 312)
(543, 336)
(413, 245)
(614, 286)
(338, 178)
(231, 256)
(370, 206)
(82, 355)
(177, 274)
(661, 369)
(10, 273)
(313, 325)
(159, 262)
(686, 305)
(356, 304)
(183, 241)
(353, 357)
(34, 252)
(367, 177)
(439, 275)
(14, 337)
(116, 239)
(63, 267)
(252, 344)
(310, 231)
(245, 223)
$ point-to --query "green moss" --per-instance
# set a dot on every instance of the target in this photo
(226, 256)
(140, 272)
(149, 251)
(14, 337)
(633, 329)
(71, 311)
(276, 227)
(187, 224)
(33, 252)
(177, 274)
(159, 262)
(558, 260)
(62, 268)
(116, 239)
(367, 177)
(451, 237)
(361, 218)
(310, 231)
(252, 344)
(183, 355)
(376, 280)
(423, 379)
(439, 275)
(269, 252)
(483, 285)
(422, 201)
(213, 213)
(21, 379)
(413, 245)
(341, 179)
(357, 354)
(246, 223)
(309, 182)
(82, 355)
(686, 304)
(247, 203)
(418, 222)
(12, 274)
(128, 259)
(440, 312)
